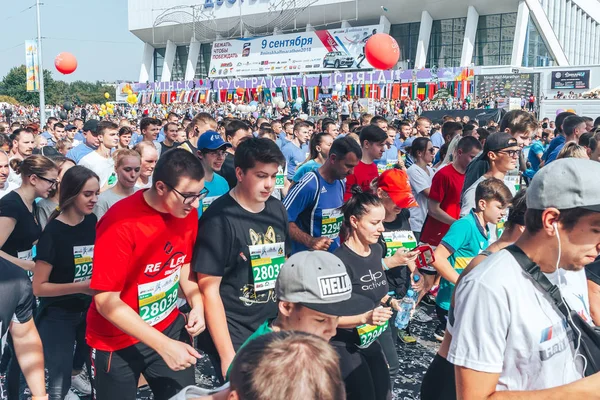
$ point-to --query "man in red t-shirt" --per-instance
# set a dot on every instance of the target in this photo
(444, 200)
(372, 143)
(142, 257)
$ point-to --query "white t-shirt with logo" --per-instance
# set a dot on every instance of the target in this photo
(504, 323)
(103, 167)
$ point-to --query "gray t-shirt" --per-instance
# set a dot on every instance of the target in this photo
(105, 201)
(45, 208)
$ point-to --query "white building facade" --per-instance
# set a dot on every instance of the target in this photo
(178, 34)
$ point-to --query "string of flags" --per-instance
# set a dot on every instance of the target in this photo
(394, 91)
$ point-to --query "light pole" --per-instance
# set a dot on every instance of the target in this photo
(40, 67)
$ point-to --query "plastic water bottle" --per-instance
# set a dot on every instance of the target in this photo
(406, 307)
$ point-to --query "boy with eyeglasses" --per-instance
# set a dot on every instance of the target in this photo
(142, 258)
(502, 152)
(212, 151)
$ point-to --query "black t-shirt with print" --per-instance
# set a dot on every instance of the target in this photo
(27, 230)
(225, 232)
(368, 279)
(16, 296)
(57, 246)
(398, 278)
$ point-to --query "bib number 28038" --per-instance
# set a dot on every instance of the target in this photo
(83, 256)
(266, 261)
(158, 299)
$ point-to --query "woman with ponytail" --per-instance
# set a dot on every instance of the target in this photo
(364, 367)
(20, 229)
(19, 225)
(63, 268)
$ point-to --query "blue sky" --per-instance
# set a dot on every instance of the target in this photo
(94, 31)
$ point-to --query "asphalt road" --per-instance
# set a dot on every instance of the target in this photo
(414, 361)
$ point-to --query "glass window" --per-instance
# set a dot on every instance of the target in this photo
(445, 43)
(495, 35)
(536, 53)
(509, 19)
(407, 36)
(159, 60)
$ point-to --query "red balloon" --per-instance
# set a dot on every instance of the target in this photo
(382, 51)
(65, 63)
(240, 91)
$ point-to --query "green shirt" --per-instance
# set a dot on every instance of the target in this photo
(262, 330)
(465, 239)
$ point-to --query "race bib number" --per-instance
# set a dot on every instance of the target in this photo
(369, 333)
(207, 201)
(331, 223)
(26, 255)
(280, 177)
(158, 299)
(398, 239)
(266, 261)
(83, 256)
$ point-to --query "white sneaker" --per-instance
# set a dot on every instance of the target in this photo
(71, 396)
(82, 384)
(421, 316)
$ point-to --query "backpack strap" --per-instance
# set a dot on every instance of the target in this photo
(534, 272)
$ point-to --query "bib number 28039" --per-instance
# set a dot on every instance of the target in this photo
(266, 261)
(158, 299)
(83, 256)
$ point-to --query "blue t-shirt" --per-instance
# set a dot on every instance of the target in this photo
(437, 140)
(78, 152)
(398, 142)
(465, 239)
(557, 141)
(313, 204)
(552, 156)
(294, 156)
(304, 169)
(216, 188)
(535, 150)
(389, 159)
(79, 137)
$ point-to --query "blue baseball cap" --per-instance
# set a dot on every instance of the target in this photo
(211, 140)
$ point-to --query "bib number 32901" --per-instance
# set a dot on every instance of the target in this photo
(158, 299)
(83, 256)
(266, 261)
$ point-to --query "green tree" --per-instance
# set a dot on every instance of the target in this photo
(56, 92)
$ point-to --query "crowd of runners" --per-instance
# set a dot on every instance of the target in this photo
(287, 250)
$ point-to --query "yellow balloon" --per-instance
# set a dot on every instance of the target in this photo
(107, 95)
(129, 92)
(103, 106)
(111, 111)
